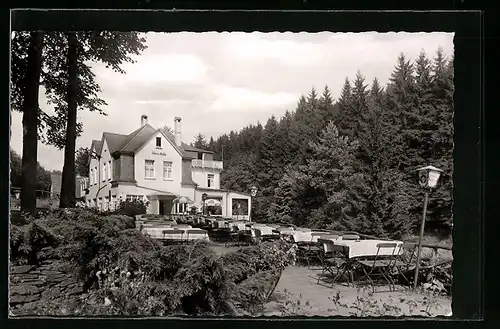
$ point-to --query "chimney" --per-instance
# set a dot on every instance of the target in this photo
(144, 120)
(177, 131)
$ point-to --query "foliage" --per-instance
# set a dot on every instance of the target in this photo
(82, 161)
(43, 176)
(132, 207)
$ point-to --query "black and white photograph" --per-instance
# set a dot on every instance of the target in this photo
(231, 174)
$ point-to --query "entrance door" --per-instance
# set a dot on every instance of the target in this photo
(165, 207)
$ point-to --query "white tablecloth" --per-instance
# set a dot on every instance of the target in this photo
(302, 236)
(157, 233)
(367, 248)
(264, 230)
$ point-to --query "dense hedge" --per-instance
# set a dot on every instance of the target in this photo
(138, 276)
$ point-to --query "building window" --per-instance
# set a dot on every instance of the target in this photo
(167, 169)
(149, 169)
(96, 175)
(104, 172)
(134, 197)
(109, 170)
(114, 203)
(210, 180)
(158, 142)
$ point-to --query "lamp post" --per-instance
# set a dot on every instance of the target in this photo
(253, 193)
(428, 178)
(203, 199)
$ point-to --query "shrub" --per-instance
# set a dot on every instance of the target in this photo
(132, 208)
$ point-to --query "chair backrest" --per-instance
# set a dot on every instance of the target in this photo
(407, 252)
(235, 228)
(350, 237)
(328, 245)
(389, 254)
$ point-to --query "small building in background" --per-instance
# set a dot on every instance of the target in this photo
(55, 186)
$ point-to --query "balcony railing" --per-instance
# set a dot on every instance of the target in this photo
(207, 164)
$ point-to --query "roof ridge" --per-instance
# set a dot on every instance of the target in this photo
(107, 132)
(135, 132)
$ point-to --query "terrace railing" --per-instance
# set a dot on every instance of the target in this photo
(207, 164)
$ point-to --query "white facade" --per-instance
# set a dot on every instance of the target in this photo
(163, 168)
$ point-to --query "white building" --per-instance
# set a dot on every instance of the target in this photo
(156, 166)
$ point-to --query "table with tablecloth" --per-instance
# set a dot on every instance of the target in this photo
(363, 248)
(157, 233)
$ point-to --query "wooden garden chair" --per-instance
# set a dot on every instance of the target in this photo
(405, 261)
(380, 266)
(234, 236)
(332, 259)
(310, 249)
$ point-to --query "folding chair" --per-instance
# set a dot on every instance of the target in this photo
(405, 261)
(380, 266)
(310, 249)
(234, 236)
(256, 235)
(177, 236)
(331, 259)
(192, 235)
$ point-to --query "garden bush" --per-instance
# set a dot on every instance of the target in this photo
(138, 276)
(132, 208)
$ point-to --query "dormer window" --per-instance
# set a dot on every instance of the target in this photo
(158, 142)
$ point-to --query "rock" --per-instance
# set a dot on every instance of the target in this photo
(35, 282)
(56, 278)
(21, 269)
(24, 290)
(107, 302)
(32, 298)
(28, 277)
(74, 291)
(67, 282)
(17, 299)
(55, 292)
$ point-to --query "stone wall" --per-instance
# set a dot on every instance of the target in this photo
(51, 280)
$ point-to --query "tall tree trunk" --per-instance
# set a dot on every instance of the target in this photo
(30, 124)
(68, 175)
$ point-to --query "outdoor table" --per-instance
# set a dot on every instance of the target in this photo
(264, 230)
(356, 249)
(304, 236)
(365, 248)
(157, 233)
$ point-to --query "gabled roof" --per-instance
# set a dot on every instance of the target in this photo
(135, 140)
(114, 141)
(138, 138)
(97, 146)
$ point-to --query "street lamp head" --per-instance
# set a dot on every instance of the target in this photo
(253, 191)
(428, 176)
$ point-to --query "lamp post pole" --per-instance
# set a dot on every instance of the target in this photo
(419, 250)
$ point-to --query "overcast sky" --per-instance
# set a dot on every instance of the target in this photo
(218, 82)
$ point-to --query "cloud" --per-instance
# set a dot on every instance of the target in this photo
(234, 99)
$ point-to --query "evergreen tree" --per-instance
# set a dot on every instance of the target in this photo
(343, 119)
(199, 141)
(330, 172)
